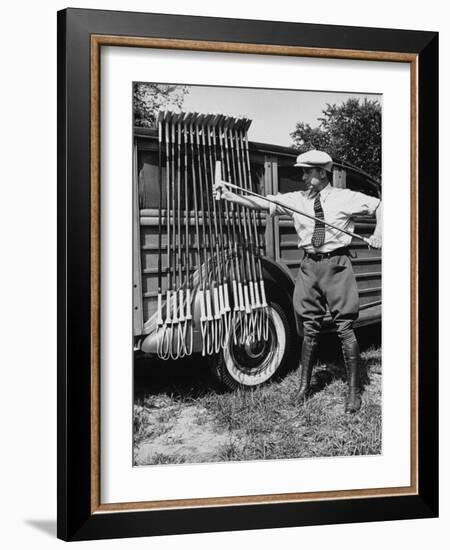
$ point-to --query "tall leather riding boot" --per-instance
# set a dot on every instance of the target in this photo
(350, 351)
(309, 349)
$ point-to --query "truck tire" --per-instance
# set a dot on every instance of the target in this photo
(254, 364)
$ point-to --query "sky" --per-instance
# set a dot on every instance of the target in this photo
(274, 112)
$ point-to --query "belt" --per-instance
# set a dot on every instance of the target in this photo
(317, 256)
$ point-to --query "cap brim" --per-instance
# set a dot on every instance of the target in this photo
(328, 166)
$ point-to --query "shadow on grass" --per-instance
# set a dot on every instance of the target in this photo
(330, 364)
(188, 377)
(191, 377)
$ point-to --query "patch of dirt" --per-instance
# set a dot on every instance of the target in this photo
(188, 432)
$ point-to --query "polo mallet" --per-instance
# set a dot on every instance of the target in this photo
(252, 248)
(247, 257)
(189, 329)
(181, 325)
(159, 319)
(287, 207)
(165, 340)
(225, 239)
(206, 317)
(174, 341)
(241, 239)
(265, 311)
(213, 275)
(219, 308)
(198, 244)
(238, 315)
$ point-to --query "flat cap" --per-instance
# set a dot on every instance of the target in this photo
(315, 159)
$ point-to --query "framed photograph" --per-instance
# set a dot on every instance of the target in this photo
(247, 274)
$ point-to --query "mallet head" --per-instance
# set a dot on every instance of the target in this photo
(218, 178)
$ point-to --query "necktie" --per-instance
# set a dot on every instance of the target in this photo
(318, 237)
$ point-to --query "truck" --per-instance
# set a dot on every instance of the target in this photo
(254, 361)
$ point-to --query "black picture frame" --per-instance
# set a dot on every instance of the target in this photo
(77, 518)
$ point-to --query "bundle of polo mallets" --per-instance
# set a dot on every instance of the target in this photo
(220, 259)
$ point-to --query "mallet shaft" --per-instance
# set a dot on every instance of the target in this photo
(282, 205)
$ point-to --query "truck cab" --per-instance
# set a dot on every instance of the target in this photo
(253, 362)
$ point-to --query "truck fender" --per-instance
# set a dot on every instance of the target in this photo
(279, 280)
(276, 278)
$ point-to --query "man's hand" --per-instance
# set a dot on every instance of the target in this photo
(375, 240)
(221, 191)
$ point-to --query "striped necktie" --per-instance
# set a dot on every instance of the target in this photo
(318, 237)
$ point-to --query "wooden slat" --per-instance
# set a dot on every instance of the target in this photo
(368, 275)
(368, 260)
(290, 240)
(366, 291)
(138, 316)
(370, 304)
(286, 221)
(371, 259)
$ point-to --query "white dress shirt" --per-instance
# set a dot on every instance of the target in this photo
(339, 205)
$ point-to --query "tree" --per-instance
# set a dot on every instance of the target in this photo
(350, 132)
(149, 98)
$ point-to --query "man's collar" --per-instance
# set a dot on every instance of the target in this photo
(325, 192)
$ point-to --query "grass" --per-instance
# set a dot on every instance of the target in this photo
(266, 422)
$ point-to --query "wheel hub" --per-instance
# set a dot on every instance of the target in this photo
(253, 362)
(253, 348)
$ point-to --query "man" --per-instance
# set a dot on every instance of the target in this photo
(326, 274)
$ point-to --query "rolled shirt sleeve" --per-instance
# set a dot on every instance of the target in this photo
(285, 198)
(359, 203)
